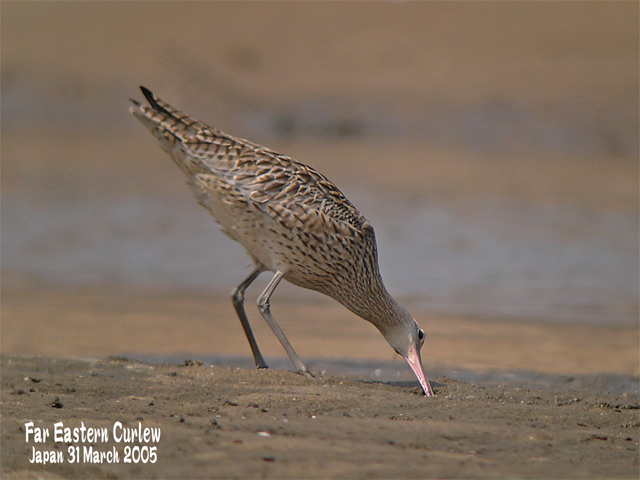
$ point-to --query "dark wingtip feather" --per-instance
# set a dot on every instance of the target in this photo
(135, 102)
(153, 100)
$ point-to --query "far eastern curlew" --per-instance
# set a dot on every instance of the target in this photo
(292, 221)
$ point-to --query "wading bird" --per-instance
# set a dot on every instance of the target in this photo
(291, 220)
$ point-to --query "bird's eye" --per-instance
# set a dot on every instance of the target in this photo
(420, 335)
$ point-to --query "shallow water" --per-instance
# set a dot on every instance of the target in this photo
(556, 262)
(490, 255)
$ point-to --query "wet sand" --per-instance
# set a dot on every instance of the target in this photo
(92, 323)
(233, 423)
(537, 405)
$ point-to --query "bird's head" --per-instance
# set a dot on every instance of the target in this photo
(407, 338)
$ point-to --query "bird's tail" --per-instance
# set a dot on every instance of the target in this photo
(167, 124)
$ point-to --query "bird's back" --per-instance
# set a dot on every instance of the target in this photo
(288, 216)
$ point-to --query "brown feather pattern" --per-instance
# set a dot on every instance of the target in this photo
(288, 216)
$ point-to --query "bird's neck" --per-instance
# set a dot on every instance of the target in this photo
(376, 305)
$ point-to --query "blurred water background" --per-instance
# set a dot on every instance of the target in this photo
(494, 147)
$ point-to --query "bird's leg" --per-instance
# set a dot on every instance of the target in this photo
(237, 297)
(265, 310)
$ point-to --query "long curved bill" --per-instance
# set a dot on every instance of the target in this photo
(414, 361)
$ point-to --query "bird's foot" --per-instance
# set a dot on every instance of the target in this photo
(261, 365)
(306, 373)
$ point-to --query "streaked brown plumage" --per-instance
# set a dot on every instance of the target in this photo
(292, 221)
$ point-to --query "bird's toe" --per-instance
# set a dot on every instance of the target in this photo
(306, 373)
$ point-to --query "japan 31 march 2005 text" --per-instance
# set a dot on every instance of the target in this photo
(140, 443)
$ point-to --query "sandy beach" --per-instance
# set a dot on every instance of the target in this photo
(532, 399)
(234, 423)
(494, 147)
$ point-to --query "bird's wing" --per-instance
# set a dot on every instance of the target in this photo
(294, 194)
